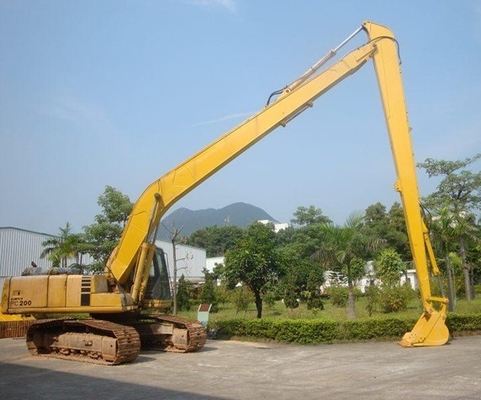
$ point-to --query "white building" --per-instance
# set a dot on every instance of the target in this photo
(277, 227)
(411, 278)
(212, 262)
(191, 261)
(369, 278)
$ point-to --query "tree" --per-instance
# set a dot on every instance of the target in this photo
(375, 213)
(312, 292)
(467, 233)
(291, 291)
(183, 294)
(60, 249)
(389, 267)
(461, 187)
(299, 268)
(241, 297)
(399, 239)
(207, 292)
(254, 261)
(344, 248)
(305, 241)
(389, 227)
(216, 240)
(102, 236)
(460, 191)
(447, 228)
(115, 205)
(392, 297)
(308, 216)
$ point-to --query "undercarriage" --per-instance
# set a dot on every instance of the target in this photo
(110, 343)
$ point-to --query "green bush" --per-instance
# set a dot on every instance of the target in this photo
(316, 331)
(241, 297)
(281, 330)
(208, 294)
(184, 290)
(338, 295)
(306, 331)
(269, 300)
(394, 298)
(463, 323)
(376, 328)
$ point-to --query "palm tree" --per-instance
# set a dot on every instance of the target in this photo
(442, 229)
(60, 248)
(345, 247)
(450, 230)
(467, 232)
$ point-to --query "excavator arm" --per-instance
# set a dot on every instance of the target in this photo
(135, 251)
(164, 192)
(430, 329)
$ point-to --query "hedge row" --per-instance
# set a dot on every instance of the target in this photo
(461, 324)
(315, 331)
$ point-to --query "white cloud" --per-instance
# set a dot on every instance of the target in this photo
(75, 111)
(225, 118)
(229, 5)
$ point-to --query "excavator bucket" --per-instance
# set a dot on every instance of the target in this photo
(430, 330)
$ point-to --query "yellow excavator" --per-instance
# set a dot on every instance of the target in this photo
(134, 277)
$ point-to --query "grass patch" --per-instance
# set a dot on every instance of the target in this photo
(332, 324)
(279, 311)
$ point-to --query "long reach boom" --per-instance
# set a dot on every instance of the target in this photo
(135, 277)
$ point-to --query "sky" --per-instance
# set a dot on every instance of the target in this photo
(117, 92)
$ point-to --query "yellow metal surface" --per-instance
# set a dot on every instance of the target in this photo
(15, 317)
(26, 292)
(56, 293)
(157, 304)
(74, 289)
(134, 254)
(430, 328)
(12, 325)
(62, 294)
(5, 296)
(105, 300)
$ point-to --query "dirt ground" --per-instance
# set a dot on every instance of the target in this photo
(242, 370)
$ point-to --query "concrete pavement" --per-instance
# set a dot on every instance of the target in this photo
(243, 370)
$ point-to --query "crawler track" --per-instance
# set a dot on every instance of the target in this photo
(170, 333)
(110, 343)
(89, 340)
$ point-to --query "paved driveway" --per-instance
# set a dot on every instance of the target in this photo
(241, 370)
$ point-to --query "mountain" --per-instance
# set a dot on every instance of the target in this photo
(238, 214)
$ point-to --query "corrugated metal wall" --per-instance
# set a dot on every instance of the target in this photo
(19, 247)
